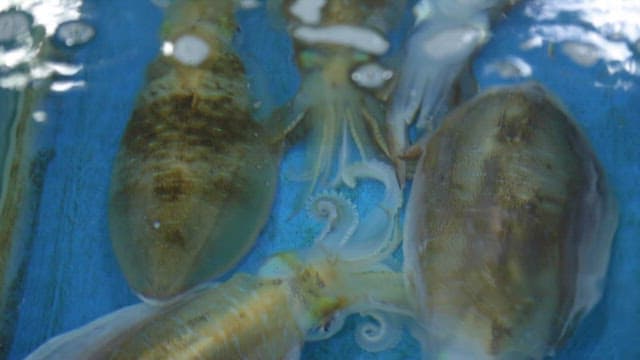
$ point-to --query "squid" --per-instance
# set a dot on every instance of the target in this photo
(508, 230)
(337, 44)
(195, 176)
(295, 297)
(436, 70)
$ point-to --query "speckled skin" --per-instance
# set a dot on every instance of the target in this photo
(509, 228)
(195, 176)
(245, 318)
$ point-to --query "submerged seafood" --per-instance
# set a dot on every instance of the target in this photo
(195, 176)
(295, 297)
(436, 70)
(332, 40)
(509, 228)
(247, 317)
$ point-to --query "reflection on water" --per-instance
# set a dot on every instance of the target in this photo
(613, 19)
(588, 30)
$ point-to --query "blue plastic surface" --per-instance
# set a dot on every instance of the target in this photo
(72, 276)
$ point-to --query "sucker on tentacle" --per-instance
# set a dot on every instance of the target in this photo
(195, 176)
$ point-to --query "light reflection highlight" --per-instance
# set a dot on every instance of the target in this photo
(60, 86)
(511, 67)
(613, 19)
(26, 28)
(48, 13)
(610, 50)
(606, 30)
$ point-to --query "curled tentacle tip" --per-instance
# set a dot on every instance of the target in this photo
(326, 202)
(341, 216)
(379, 171)
(382, 332)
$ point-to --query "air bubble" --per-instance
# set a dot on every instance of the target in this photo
(74, 33)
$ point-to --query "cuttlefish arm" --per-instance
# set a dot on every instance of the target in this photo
(338, 117)
(436, 71)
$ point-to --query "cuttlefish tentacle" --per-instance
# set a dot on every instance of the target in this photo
(337, 113)
(341, 218)
(336, 123)
(381, 235)
(382, 332)
(436, 71)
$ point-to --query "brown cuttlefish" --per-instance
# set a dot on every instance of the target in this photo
(509, 228)
(195, 176)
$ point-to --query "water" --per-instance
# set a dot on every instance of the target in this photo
(70, 275)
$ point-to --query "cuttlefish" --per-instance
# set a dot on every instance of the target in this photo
(508, 230)
(195, 176)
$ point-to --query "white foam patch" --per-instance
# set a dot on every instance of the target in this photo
(190, 50)
(359, 38)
